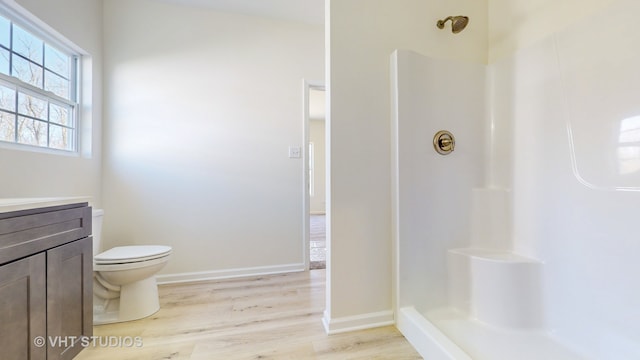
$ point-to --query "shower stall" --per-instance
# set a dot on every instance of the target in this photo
(521, 243)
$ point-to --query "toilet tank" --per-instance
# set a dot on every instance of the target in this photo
(97, 215)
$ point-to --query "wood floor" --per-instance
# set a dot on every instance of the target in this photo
(268, 317)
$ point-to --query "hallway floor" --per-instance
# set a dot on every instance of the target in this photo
(318, 241)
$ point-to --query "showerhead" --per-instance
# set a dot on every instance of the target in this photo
(458, 23)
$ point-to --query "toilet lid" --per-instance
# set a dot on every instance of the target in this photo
(135, 253)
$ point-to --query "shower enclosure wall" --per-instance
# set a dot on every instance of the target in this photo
(522, 243)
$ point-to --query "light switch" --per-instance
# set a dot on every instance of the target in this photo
(294, 152)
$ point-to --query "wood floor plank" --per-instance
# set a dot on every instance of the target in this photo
(266, 317)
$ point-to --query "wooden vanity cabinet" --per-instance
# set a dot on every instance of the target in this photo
(23, 305)
(45, 282)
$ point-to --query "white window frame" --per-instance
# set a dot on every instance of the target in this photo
(36, 27)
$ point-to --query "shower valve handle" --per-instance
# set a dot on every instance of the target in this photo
(444, 142)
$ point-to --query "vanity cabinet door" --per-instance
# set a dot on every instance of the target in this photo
(70, 297)
(23, 318)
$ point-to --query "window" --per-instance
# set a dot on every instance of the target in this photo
(38, 92)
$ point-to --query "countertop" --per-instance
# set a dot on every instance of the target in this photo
(17, 204)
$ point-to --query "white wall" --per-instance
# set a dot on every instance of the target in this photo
(433, 193)
(569, 96)
(317, 203)
(202, 107)
(362, 36)
(515, 24)
(38, 174)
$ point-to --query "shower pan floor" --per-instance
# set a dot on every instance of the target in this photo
(485, 342)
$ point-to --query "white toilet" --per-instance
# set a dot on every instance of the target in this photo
(124, 286)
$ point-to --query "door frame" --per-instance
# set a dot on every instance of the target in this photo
(307, 86)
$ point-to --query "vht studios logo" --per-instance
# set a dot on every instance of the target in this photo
(88, 341)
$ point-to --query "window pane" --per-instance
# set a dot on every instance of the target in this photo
(56, 61)
(27, 45)
(4, 61)
(35, 115)
(27, 71)
(56, 84)
(60, 115)
(7, 126)
(4, 31)
(32, 132)
(32, 106)
(60, 138)
(7, 98)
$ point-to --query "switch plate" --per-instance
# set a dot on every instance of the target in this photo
(294, 152)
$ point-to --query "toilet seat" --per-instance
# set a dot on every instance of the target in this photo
(131, 254)
(130, 265)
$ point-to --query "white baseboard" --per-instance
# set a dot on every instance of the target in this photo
(357, 322)
(228, 273)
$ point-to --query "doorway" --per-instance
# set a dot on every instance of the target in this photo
(315, 176)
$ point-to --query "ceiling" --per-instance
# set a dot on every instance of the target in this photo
(307, 11)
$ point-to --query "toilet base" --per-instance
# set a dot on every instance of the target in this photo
(137, 300)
